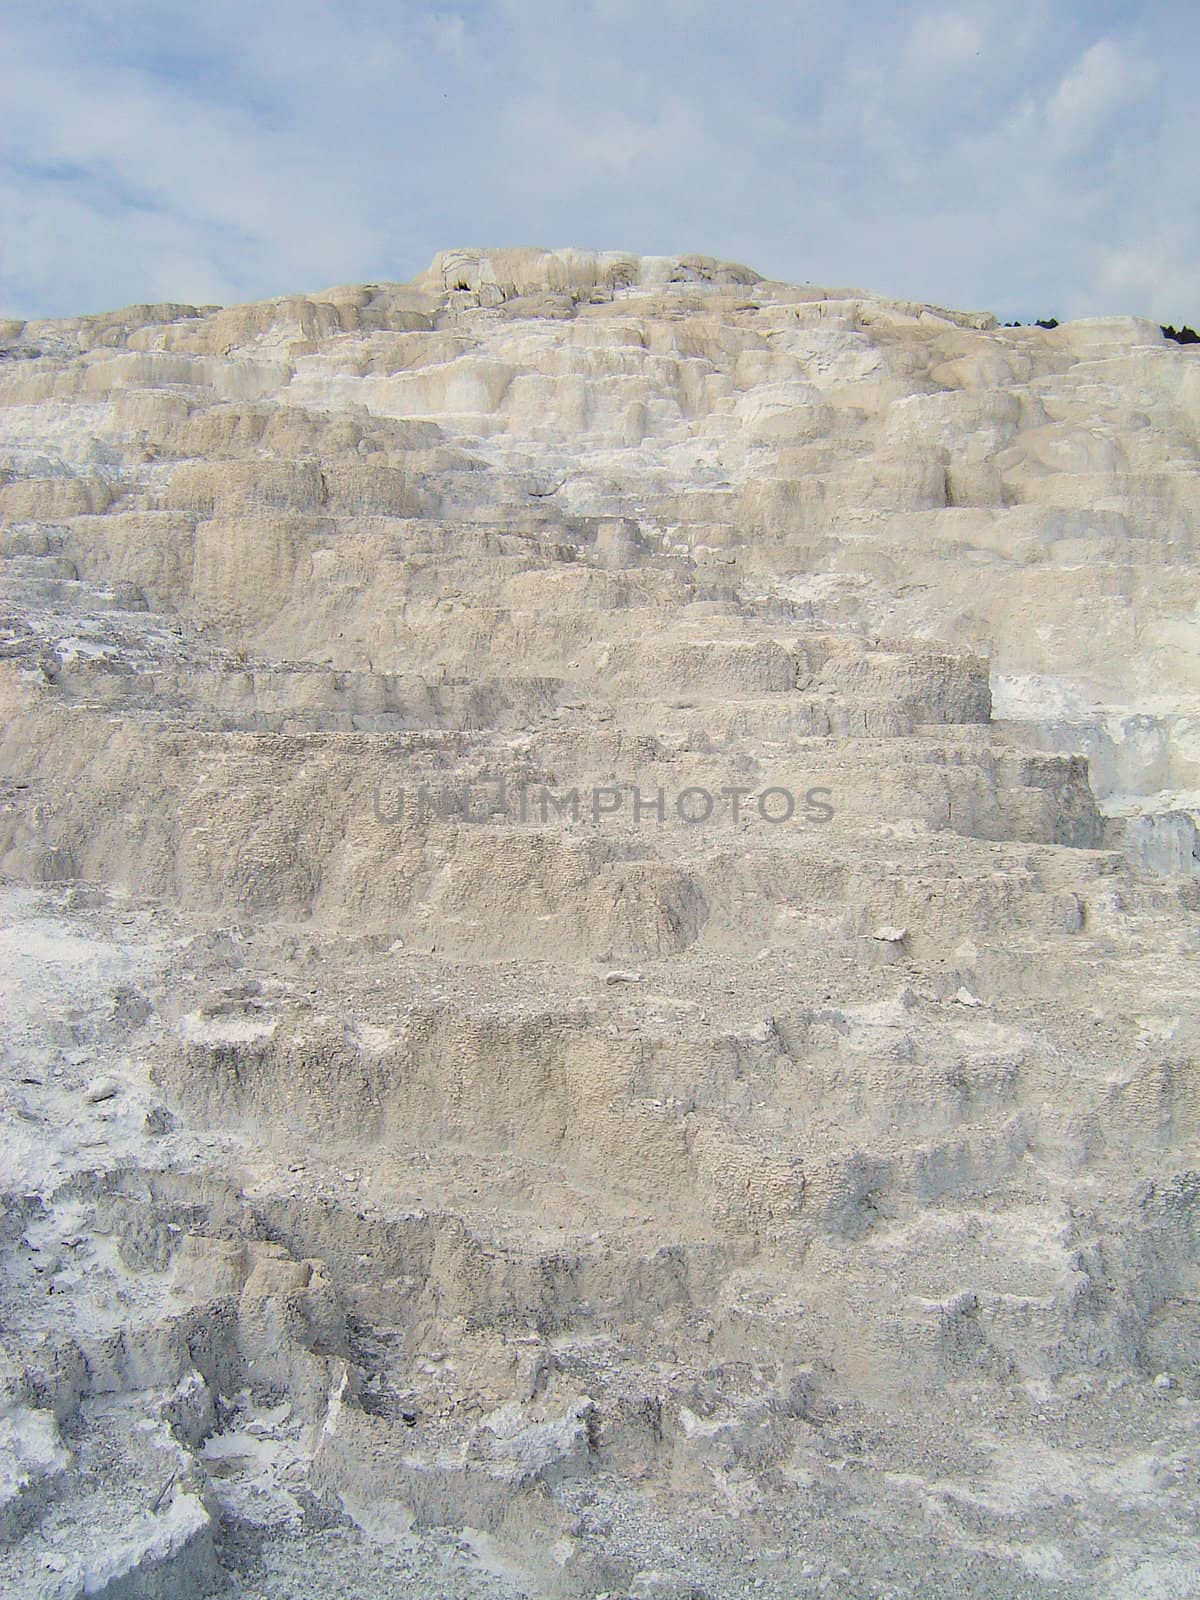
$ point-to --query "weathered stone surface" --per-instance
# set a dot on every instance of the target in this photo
(599, 905)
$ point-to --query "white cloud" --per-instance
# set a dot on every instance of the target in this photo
(1156, 271)
(944, 40)
(1104, 81)
(979, 154)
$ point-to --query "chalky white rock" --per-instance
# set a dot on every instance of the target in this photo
(599, 903)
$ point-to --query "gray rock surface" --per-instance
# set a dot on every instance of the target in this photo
(598, 944)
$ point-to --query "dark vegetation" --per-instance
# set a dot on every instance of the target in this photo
(1183, 335)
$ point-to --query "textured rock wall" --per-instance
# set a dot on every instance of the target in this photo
(599, 882)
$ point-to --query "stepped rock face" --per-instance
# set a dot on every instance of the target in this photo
(599, 885)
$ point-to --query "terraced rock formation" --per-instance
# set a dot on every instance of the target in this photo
(599, 879)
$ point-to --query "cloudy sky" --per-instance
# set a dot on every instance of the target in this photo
(1031, 157)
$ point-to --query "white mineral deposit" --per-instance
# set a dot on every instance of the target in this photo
(599, 914)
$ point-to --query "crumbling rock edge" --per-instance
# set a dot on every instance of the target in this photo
(438, 1160)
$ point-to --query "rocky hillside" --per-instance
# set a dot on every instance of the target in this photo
(599, 888)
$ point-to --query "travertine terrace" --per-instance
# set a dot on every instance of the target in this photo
(599, 944)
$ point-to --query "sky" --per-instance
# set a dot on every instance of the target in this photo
(1032, 159)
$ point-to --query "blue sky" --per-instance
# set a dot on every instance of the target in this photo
(1032, 159)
